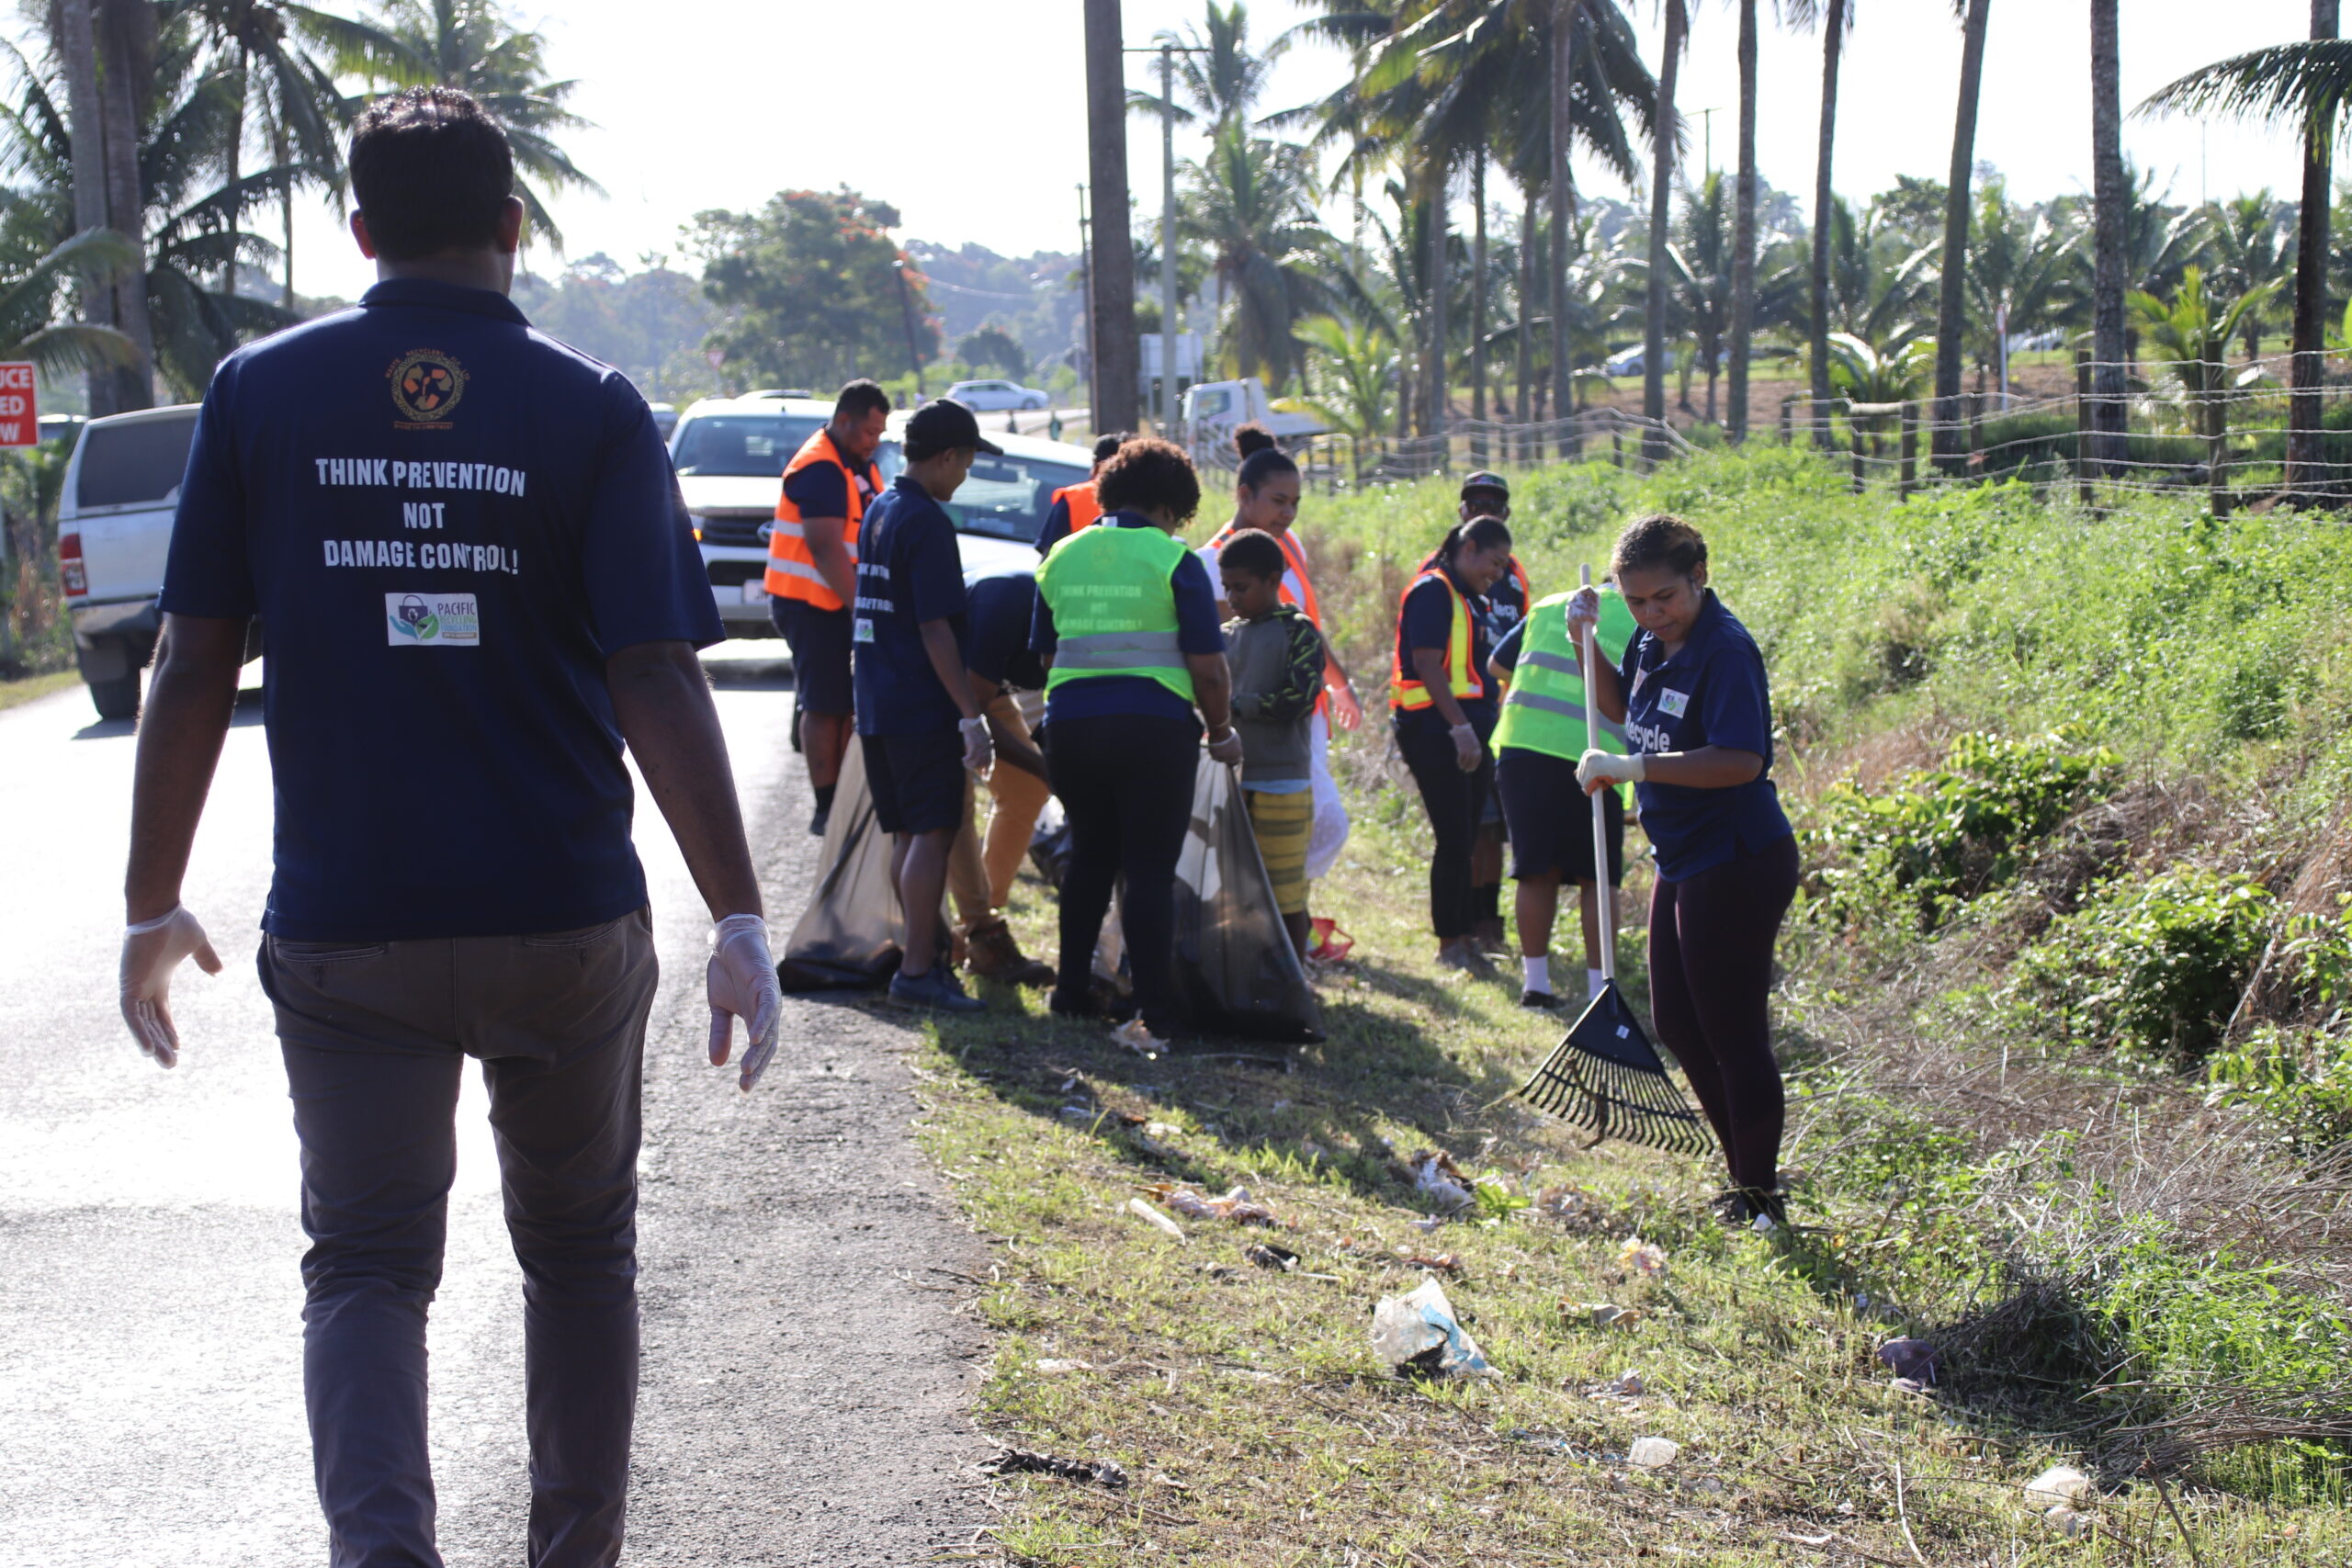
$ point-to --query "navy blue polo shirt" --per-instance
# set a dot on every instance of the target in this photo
(1427, 620)
(447, 523)
(1198, 631)
(910, 571)
(1713, 692)
(1056, 528)
(998, 610)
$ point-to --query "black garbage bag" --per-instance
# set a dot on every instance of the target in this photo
(849, 937)
(1235, 972)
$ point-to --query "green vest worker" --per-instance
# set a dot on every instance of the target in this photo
(1129, 619)
(1537, 744)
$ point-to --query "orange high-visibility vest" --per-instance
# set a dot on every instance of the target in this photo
(1085, 506)
(1518, 574)
(1296, 559)
(792, 571)
(1463, 678)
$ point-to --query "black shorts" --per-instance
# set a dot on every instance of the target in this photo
(917, 781)
(1550, 819)
(820, 643)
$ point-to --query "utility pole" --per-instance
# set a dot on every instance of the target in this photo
(1112, 279)
(1086, 304)
(1166, 416)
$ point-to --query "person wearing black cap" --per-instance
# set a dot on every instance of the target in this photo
(921, 726)
(1485, 494)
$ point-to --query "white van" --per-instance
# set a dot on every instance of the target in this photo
(114, 529)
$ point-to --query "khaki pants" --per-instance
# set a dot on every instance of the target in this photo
(980, 869)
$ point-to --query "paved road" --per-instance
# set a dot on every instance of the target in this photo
(803, 1390)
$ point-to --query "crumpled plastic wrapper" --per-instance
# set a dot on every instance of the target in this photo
(1417, 1333)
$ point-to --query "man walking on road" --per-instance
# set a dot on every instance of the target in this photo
(812, 574)
(469, 550)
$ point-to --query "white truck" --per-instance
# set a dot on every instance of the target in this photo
(1212, 409)
(114, 528)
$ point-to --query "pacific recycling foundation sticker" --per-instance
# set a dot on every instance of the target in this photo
(431, 620)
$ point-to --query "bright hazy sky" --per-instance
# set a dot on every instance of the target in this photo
(969, 115)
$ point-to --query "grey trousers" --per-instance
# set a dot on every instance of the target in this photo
(375, 1037)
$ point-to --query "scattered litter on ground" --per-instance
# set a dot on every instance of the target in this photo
(2059, 1485)
(1653, 1453)
(1575, 1206)
(1627, 1385)
(1018, 1462)
(1217, 1270)
(1160, 1129)
(1439, 1263)
(1057, 1367)
(1145, 1212)
(1417, 1333)
(2070, 1522)
(1914, 1360)
(1428, 1222)
(1266, 1256)
(1644, 1258)
(1908, 1385)
(1236, 1205)
(1603, 1314)
(1139, 1039)
(1436, 1175)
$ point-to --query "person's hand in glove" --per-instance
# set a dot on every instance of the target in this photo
(1346, 711)
(1598, 770)
(1584, 616)
(979, 752)
(743, 984)
(151, 950)
(1226, 745)
(1467, 751)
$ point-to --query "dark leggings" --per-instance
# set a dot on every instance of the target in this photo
(1711, 966)
(1125, 782)
(1454, 801)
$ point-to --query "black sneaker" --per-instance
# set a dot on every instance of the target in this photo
(935, 988)
(1539, 1002)
(820, 819)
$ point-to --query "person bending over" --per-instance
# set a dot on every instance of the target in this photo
(1691, 693)
(1007, 680)
(1277, 660)
(922, 728)
(1441, 714)
(1128, 620)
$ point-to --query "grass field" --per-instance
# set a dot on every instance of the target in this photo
(2129, 1259)
(34, 686)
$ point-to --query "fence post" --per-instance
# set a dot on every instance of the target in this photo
(2083, 470)
(2217, 452)
(1910, 471)
(1617, 447)
(1854, 439)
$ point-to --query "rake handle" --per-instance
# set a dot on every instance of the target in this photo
(1604, 896)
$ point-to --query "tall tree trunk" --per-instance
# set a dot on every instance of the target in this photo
(1434, 369)
(279, 152)
(2109, 198)
(77, 42)
(1118, 350)
(1661, 216)
(1563, 211)
(1478, 305)
(1522, 369)
(1743, 229)
(2304, 477)
(236, 150)
(1952, 299)
(1833, 40)
(126, 40)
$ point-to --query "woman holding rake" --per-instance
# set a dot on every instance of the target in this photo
(1697, 710)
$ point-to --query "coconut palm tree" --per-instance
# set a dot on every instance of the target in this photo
(471, 44)
(1701, 258)
(1353, 376)
(1251, 203)
(2110, 195)
(1952, 299)
(1834, 19)
(2248, 235)
(2023, 272)
(2302, 85)
(2190, 333)
(1742, 326)
(1219, 78)
(37, 286)
(1666, 136)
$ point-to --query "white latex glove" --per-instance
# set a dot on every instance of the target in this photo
(979, 752)
(1467, 753)
(1226, 747)
(151, 950)
(1599, 768)
(1584, 613)
(743, 984)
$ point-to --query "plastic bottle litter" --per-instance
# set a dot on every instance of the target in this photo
(1653, 1453)
(1417, 1333)
(2059, 1486)
(1145, 1212)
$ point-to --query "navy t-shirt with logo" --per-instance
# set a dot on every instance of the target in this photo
(1712, 692)
(910, 571)
(447, 523)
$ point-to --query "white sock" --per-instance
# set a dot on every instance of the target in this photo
(1594, 981)
(1538, 971)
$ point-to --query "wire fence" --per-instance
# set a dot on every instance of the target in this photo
(2220, 427)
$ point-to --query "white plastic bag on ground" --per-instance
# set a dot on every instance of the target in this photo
(1418, 1330)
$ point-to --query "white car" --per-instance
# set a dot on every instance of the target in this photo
(995, 397)
(731, 454)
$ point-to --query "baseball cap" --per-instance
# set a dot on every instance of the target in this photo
(1483, 480)
(943, 425)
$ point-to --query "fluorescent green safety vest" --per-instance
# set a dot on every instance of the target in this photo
(1115, 613)
(1545, 708)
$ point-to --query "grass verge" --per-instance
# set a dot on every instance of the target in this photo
(31, 688)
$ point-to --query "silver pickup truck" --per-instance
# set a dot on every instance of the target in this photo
(114, 528)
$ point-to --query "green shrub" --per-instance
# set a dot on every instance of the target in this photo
(2152, 968)
(2298, 1079)
(1941, 837)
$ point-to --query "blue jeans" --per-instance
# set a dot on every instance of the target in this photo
(375, 1037)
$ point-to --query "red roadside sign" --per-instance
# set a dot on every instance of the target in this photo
(20, 417)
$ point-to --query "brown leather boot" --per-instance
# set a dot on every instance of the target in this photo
(992, 955)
